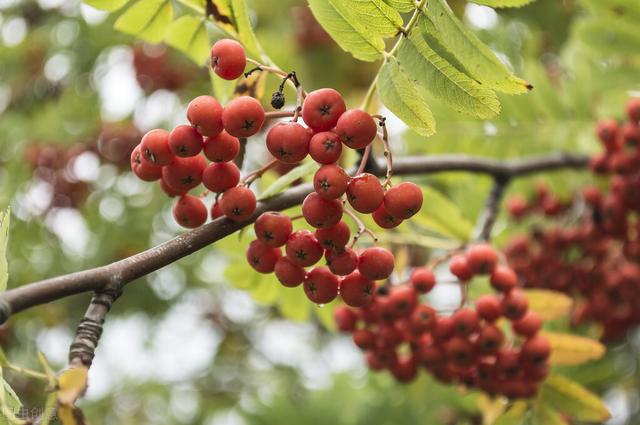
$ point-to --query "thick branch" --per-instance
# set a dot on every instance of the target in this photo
(116, 275)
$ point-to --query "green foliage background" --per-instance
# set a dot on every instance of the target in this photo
(583, 59)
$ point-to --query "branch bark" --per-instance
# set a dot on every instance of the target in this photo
(119, 273)
(491, 209)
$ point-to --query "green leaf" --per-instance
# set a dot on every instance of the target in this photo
(222, 89)
(245, 30)
(108, 5)
(503, 3)
(324, 313)
(572, 398)
(514, 415)
(569, 349)
(401, 5)
(433, 73)
(189, 35)
(477, 58)
(443, 216)
(398, 92)
(5, 217)
(349, 31)
(147, 19)
(285, 181)
(294, 305)
(543, 414)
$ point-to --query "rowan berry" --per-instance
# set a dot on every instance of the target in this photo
(205, 114)
(142, 168)
(155, 147)
(321, 213)
(320, 285)
(189, 211)
(346, 319)
(459, 351)
(376, 263)
(356, 128)
(334, 238)
(325, 147)
(503, 278)
(222, 147)
(481, 258)
(220, 176)
(385, 220)
(183, 174)
(423, 318)
(303, 248)
(262, 257)
(341, 262)
(465, 321)
(633, 110)
(289, 273)
(423, 280)
(402, 300)
(228, 59)
(356, 290)
(489, 307)
(185, 141)
(322, 108)
(288, 142)
(490, 339)
(528, 325)
(330, 181)
(238, 203)
(536, 350)
(365, 193)
(243, 117)
(514, 305)
(273, 228)
(459, 267)
(404, 200)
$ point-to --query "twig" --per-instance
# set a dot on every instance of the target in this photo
(491, 209)
(129, 269)
(361, 228)
(387, 151)
(252, 176)
(364, 160)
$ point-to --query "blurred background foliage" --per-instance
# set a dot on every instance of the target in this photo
(206, 340)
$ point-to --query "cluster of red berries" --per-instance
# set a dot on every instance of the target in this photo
(401, 332)
(596, 260)
(543, 201)
(156, 69)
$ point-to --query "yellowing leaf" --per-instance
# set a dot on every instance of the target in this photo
(71, 384)
(147, 19)
(245, 30)
(543, 414)
(567, 349)
(4, 238)
(549, 305)
(573, 399)
(491, 408)
(70, 415)
(398, 93)
(514, 415)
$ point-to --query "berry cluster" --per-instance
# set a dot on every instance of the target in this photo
(400, 332)
(543, 202)
(596, 260)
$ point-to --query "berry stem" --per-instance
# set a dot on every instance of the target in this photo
(279, 114)
(387, 151)
(363, 160)
(361, 228)
(288, 77)
(254, 175)
(299, 100)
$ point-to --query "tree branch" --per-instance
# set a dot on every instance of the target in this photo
(492, 206)
(119, 273)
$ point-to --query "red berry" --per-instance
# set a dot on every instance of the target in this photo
(365, 193)
(216, 212)
(356, 128)
(262, 257)
(183, 174)
(536, 350)
(488, 307)
(221, 148)
(189, 211)
(321, 213)
(288, 142)
(405, 369)
(168, 190)
(482, 258)
(303, 248)
(220, 176)
(322, 108)
(185, 141)
(514, 305)
(402, 300)
(334, 238)
(273, 228)
(205, 114)
(356, 290)
(142, 168)
(385, 220)
(238, 203)
(459, 267)
(346, 319)
(423, 279)
(321, 286)
(330, 181)
(607, 131)
(403, 200)
(228, 59)
(325, 147)
(460, 351)
(443, 329)
(155, 147)
(465, 321)
(243, 117)
(376, 263)
(508, 362)
(517, 206)
(503, 278)
(631, 135)
(490, 339)
(289, 273)
(633, 110)
(341, 262)
(423, 318)
(364, 339)
(528, 325)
